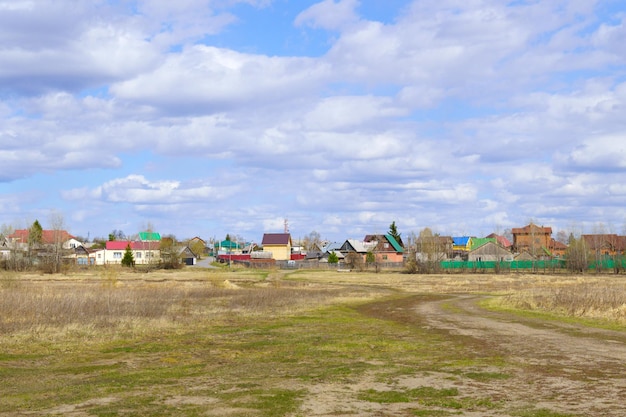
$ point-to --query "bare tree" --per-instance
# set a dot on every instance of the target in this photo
(430, 251)
(577, 254)
(55, 250)
(312, 241)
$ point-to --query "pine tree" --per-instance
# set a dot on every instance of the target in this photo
(128, 259)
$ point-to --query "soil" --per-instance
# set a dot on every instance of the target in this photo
(557, 368)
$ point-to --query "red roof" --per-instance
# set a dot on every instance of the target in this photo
(276, 239)
(121, 245)
(47, 236)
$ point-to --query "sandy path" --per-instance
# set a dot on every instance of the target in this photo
(560, 367)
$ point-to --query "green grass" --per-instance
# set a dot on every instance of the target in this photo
(541, 412)
(257, 356)
(416, 394)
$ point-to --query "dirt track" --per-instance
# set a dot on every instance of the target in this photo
(559, 367)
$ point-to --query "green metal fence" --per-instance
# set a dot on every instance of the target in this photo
(503, 265)
(529, 265)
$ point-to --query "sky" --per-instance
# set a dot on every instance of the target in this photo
(214, 117)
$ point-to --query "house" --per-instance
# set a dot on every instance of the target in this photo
(385, 248)
(533, 239)
(143, 252)
(18, 240)
(432, 248)
(557, 249)
(279, 244)
(149, 237)
(501, 240)
(605, 244)
(228, 247)
(82, 256)
(355, 245)
(490, 251)
(461, 243)
(477, 242)
(187, 256)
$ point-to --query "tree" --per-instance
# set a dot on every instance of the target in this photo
(170, 253)
(577, 254)
(393, 231)
(370, 259)
(35, 238)
(354, 260)
(128, 259)
(197, 247)
(333, 258)
(116, 235)
(312, 241)
(430, 251)
(54, 249)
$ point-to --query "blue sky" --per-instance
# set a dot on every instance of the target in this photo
(208, 117)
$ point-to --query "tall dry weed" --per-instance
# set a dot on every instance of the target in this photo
(599, 299)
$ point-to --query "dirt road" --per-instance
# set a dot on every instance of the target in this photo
(553, 369)
(566, 368)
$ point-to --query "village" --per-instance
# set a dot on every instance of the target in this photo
(527, 247)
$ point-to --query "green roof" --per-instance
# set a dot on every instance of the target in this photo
(147, 236)
(477, 242)
(227, 244)
(394, 243)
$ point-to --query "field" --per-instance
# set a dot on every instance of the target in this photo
(202, 342)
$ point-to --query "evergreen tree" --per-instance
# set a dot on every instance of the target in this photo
(128, 259)
(333, 258)
(393, 231)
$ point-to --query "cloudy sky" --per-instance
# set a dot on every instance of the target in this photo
(207, 117)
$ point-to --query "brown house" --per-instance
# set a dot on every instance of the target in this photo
(536, 240)
(605, 244)
(385, 248)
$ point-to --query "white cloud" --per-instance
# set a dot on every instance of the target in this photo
(601, 153)
(205, 79)
(502, 111)
(329, 14)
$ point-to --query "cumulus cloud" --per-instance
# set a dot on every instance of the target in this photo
(494, 109)
(136, 189)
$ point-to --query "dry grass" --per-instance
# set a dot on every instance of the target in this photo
(114, 300)
(585, 298)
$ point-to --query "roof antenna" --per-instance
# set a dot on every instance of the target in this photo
(286, 226)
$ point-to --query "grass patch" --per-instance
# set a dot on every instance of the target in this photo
(541, 412)
(422, 393)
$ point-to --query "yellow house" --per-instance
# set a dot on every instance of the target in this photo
(279, 244)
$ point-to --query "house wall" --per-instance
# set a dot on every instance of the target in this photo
(115, 256)
(279, 252)
(389, 257)
(532, 238)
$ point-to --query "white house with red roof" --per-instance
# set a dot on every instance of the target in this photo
(143, 252)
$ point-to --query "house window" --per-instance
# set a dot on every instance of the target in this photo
(99, 256)
(384, 257)
(117, 255)
(386, 245)
(138, 255)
